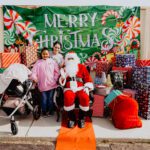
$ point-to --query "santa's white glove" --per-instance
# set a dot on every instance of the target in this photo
(86, 90)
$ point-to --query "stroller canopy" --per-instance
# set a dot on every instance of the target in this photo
(14, 71)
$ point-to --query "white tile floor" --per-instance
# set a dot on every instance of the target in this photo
(48, 127)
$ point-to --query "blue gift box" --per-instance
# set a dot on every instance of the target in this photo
(141, 74)
(124, 60)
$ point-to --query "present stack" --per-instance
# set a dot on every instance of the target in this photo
(123, 70)
(27, 56)
(141, 83)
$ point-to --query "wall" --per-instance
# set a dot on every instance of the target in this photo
(1, 30)
(145, 31)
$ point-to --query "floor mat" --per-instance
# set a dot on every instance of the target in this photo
(76, 138)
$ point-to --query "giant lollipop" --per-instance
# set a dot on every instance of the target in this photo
(132, 27)
(13, 21)
(30, 31)
(9, 38)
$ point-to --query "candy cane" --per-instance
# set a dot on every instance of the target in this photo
(108, 13)
(97, 53)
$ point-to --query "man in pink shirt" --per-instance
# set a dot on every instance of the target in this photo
(45, 73)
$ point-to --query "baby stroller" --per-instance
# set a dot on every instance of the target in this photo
(14, 83)
(25, 101)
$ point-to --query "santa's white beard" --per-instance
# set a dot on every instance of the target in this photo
(71, 68)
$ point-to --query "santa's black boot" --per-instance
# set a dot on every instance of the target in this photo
(81, 121)
(71, 119)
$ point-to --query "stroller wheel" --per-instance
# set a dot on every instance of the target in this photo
(36, 112)
(14, 128)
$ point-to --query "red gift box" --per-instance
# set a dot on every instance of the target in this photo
(7, 59)
(143, 63)
(98, 106)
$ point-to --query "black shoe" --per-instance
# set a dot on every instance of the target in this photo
(71, 124)
(81, 123)
(44, 114)
(50, 113)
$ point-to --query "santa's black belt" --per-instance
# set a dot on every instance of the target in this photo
(74, 79)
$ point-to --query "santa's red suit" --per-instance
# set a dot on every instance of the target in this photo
(77, 85)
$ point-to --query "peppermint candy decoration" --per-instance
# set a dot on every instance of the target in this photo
(137, 42)
(108, 13)
(107, 44)
(9, 38)
(91, 62)
(13, 21)
(115, 34)
(124, 42)
(132, 27)
(30, 31)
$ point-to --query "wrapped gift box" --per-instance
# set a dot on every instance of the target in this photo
(117, 79)
(98, 106)
(102, 90)
(128, 75)
(143, 98)
(102, 66)
(123, 60)
(142, 63)
(7, 59)
(141, 74)
(29, 55)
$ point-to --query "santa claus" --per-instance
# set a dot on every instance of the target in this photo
(77, 83)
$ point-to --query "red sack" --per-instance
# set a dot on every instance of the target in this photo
(125, 112)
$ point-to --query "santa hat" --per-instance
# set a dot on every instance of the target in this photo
(73, 55)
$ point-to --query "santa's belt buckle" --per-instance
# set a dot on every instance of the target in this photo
(73, 84)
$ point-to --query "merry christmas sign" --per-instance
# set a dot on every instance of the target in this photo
(86, 29)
